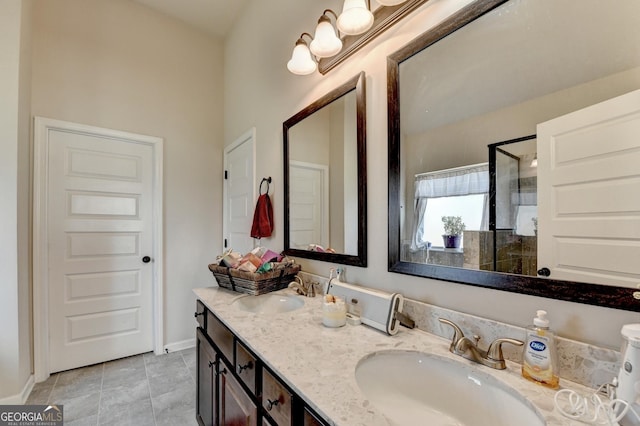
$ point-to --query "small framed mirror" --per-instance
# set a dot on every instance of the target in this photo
(325, 178)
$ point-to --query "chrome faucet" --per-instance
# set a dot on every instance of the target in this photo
(467, 348)
(302, 288)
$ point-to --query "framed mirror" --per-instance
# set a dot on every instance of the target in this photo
(458, 96)
(325, 177)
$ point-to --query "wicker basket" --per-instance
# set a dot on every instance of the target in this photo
(252, 283)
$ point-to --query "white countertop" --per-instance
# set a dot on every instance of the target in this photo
(319, 363)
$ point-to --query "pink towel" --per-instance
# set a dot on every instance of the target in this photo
(262, 218)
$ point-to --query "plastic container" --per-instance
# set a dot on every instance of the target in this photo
(540, 360)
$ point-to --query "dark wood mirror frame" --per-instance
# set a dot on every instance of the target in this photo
(357, 83)
(591, 294)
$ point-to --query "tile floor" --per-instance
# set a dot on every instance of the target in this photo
(140, 390)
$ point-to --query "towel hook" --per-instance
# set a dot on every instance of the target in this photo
(268, 180)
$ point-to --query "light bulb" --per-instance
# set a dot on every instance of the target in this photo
(325, 43)
(390, 2)
(301, 62)
(355, 18)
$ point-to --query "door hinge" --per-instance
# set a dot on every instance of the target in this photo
(225, 243)
(226, 174)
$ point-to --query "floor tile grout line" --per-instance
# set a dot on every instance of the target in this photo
(100, 397)
(187, 366)
(146, 373)
(55, 382)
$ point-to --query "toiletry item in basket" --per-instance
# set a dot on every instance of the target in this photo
(229, 258)
(540, 362)
(249, 263)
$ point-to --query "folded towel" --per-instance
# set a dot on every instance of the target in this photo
(262, 218)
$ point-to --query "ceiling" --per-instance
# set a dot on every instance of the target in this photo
(215, 17)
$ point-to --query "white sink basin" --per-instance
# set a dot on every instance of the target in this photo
(269, 303)
(415, 388)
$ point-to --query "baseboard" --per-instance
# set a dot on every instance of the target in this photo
(179, 346)
(21, 397)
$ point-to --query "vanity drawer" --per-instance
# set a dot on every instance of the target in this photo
(246, 367)
(221, 336)
(276, 399)
(201, 315)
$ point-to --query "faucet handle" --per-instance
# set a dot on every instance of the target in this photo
(494, 352)
(457, 333)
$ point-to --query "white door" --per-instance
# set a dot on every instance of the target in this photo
(309, 204)
(239, 193)
(588, 193)
(100, 229)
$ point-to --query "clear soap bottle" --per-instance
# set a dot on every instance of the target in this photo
(540, 360)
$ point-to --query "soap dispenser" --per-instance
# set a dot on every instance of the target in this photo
(540, 361)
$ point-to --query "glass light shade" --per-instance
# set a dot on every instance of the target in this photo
(355, 18)
(325, 43)
(390, 2)
(301, 62)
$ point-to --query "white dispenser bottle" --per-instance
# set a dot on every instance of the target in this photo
(629, 375)
(540, 361)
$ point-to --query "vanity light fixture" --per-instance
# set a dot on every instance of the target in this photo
(356, 18)
(390, 2)
(326, 42)
(301, 62)
(534, 162)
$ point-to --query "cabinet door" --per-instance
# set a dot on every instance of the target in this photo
(236, 407)
(206, 390)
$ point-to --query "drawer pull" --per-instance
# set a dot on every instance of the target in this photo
(271, 404)
(197, 314)
(247, 366)
(211, 364)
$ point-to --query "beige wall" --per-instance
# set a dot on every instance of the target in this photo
(120, 65)
(15, 258)
(261, 92)
(431, 150)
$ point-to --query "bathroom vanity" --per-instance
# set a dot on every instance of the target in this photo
(235, 386)
(283, 367)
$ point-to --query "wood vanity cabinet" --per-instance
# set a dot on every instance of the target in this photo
(236, 406)
(234, 387)
(276, 399)
(206, 400)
